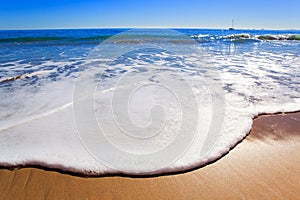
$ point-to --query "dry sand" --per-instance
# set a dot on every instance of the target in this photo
(266, 165)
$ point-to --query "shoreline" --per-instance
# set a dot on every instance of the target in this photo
(74, 172)
(267, 165)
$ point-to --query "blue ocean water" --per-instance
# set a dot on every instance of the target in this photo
(259, 71)
(34, 47)
(31, 48)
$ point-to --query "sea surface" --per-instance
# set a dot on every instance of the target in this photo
(148, 87)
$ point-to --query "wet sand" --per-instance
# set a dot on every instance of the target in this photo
(265, 165)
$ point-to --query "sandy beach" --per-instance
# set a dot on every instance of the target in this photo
(265, 165)
(141, 100)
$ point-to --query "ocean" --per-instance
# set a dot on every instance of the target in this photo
(139, 101)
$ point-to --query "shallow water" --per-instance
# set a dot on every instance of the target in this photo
(207, 94)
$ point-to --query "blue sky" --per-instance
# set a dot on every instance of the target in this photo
(33, 14)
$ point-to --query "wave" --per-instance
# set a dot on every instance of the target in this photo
(22, 76)
(279, 37)
(257, 81)
(134, 38)
(246, 36)
(89, 38)
(31, 39)
(51, 39)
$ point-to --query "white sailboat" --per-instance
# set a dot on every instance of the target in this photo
(232, 23)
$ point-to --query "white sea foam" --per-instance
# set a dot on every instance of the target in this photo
(37, 125)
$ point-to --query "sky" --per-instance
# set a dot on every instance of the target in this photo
(45, 14)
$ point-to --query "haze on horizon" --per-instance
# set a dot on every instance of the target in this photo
(255, 14)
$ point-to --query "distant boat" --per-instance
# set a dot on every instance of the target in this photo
(231, 28)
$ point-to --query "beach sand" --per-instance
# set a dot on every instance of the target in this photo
(265, 165)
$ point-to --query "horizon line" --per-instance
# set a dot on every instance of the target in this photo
(147, 27)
